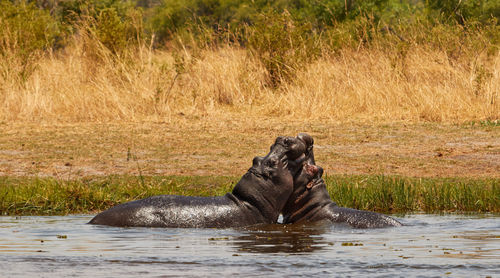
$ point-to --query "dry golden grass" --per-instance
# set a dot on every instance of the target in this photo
(370, 85)
(85, 82)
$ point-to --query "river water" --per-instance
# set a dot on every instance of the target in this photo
(428, 246)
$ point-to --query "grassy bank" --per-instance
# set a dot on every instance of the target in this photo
(125, 89)
(49, 196)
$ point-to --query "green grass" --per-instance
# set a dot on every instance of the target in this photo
(485, 123)
(389, 194)
(394, 194)
(49, 196)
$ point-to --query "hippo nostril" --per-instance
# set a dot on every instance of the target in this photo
(279, 139)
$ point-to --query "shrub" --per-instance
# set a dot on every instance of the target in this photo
(463, 11)
(117, 32)
(282, 44)
(25, 32)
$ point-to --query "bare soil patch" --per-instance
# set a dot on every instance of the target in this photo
(225, 145)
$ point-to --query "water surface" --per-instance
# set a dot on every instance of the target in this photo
(430, 245)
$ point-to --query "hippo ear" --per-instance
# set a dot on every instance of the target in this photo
(307, 139)
(278, 139)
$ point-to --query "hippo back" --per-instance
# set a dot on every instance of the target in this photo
(180, 211)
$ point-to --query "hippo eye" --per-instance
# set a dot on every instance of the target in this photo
(272, 162)
(287, 141)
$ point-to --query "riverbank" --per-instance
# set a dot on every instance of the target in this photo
(388, 194)
(111, 94)
(63, 168)
(225, 145)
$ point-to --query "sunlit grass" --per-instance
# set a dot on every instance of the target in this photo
(110, 68)
(399, 194)
(148, 85)
(49, 196)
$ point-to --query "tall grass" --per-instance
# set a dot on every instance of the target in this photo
(366, 84)
(46, 196)
(389, 194)
(431, 195)
(295, 64)
(86, 82)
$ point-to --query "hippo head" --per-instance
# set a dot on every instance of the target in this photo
(308, 176)
(308, 172)
(292, 147)
(307, 183)
(269, 182)
(289, 152)
(309, 142)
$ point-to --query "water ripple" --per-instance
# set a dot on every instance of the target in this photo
(428, 246)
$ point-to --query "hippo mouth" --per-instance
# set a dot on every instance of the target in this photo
(297, 161)
(311, 171)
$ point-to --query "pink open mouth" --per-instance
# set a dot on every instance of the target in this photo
(311, 170)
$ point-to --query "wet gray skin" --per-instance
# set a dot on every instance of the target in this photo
(257, 198)
(310, 201)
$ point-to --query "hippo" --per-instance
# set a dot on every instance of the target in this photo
(310, 201)
(257, 198)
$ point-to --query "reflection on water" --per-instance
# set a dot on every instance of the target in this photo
(430, 245)
(281, 239)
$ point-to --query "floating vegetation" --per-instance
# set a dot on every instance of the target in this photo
(351, 244)
(219, 238)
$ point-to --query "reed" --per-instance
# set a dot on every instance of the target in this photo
(389, 194)
(400, 194)
(49, 196)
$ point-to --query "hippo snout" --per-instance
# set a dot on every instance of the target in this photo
(292, 147)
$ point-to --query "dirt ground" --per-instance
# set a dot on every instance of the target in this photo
(226, 146)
